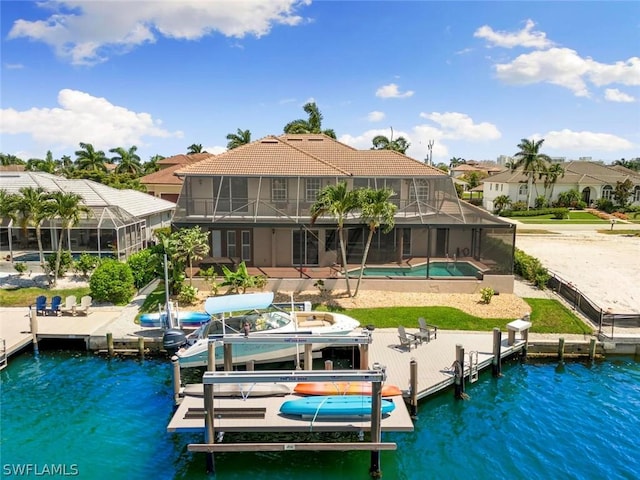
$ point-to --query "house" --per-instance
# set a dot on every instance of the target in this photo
(254, 201)
(121, 221)
(480, 168)
(592, 180)
(164, 183)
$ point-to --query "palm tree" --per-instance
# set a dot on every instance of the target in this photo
(33, 205)
(551, 175)
(375, 210)
(455, 161)
(500, 203)
(88, 158)
(242, 137)
(189, 244)
(400, 144)
(68, 207)
(152, 165)
(532, 162)
(194, 148)
(128, 160)
(312, 125)
(336, 201)
(8, 159)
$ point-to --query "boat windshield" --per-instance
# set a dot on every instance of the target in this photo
(258, 322)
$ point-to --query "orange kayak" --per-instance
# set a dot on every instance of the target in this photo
(343, 388)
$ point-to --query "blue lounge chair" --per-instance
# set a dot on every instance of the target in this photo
(54, 308)
(41, 305)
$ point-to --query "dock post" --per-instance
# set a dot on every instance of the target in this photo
(251, 365)
(33, 320)
(592, 349)
(561, 349)
(459, 372)
(413, 385)
(228, 358)
(376, 427)
(211, 357)
(364, 356)
(177, 382)
(110, 343)
(328, 364)
(209, 433)
(141, 346)
(308, 357)
(496, 363)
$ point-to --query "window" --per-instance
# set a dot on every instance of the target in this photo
(522, 190)
(491, 187)
(636, 194)
(231, 243)
(607, 192)
(501, 186)
(419, 190)
(279, 189)
(312, 188)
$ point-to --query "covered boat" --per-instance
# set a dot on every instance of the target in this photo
(258, 319)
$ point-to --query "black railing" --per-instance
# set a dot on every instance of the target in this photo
(579, 301)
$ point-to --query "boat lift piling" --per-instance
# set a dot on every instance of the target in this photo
(496, 362)
(459, 373)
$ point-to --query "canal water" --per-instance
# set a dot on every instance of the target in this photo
(76, 414)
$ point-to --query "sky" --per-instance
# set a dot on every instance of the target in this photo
(456, 79)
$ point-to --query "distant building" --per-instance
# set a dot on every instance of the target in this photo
(503, 160)
(164, 183)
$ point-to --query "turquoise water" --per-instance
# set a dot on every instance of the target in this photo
(436, 269)
(107, 419)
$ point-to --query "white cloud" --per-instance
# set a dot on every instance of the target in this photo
(215, 150)
(615, 95)
(375, 116)
(365, 140)
(13, 66)
(391, 91)
(523, 38)
(83, 118)
(460, 126)
(87, 33)
(584, 141)
(625, 73)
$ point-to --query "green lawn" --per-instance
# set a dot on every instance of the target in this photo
(575, 217)
(23, 297)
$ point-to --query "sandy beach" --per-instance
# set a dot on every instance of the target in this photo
(605, 268)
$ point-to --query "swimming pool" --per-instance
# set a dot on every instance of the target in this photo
(436, 269)
(35, 256)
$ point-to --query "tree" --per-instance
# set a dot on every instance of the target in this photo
(500, 203)
(474, 179)
(189, 244)
(34, 206)
(531, 161)
(48, 165)
(7, 159)
(88, 158)
(336, 201)
(400, 144)
(152, 165)
(622, 192)
(443, 166)
(312, 125)
(68, 207)
(455, 161)
(551, 175)
(194, 148)
(128, 160)
(375, 210)
(242, 137)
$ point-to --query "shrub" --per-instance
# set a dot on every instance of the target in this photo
(567, 199)
(486, 294)
(145, 266)
(561, 213)
(85, 264)
(112, 282)
(605, 205)
(620, 215)
(66, 261)
(540, 202)
(517, 206)
(531, 269)
(20, 267)
(188, 294)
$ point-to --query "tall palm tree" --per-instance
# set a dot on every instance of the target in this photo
(242, 137)
(68, 207)
(532, 162)
(551, 175)
(33, 205)
(375, 210)
(195, 148)
(455, 161)
(128, 160)
(88, 158)
(152, 165)
(336, 201)
(189, 245)
(312, 125)
(400, 144)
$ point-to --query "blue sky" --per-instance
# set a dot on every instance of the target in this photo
(473, 77)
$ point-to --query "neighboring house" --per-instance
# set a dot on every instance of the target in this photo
(466, 168)
(255, 200)
(121, 222)
(164, 183)
(592, 180)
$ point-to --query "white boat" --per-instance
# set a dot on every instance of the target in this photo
(260, 320)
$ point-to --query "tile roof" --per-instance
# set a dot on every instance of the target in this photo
(308, 155)
(94, 194)
(163, 177)
(184, 159)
